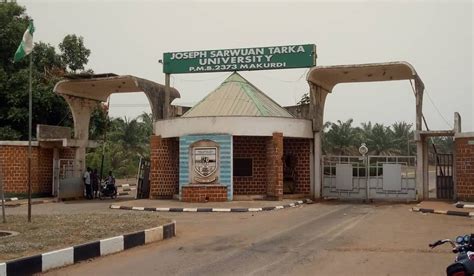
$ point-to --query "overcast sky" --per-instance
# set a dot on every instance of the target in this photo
(129, 37)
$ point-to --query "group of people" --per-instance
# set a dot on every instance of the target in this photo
(92, 182)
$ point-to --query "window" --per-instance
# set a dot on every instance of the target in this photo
(243, 167)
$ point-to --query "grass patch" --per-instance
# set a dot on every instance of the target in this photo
(51, 232)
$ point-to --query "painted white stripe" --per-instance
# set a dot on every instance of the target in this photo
(111, 245)
(154, 234)
(279, 207)
(255, 209)
(57, 258)
(138, 208)
(300, 201)
(189, 209)
(14, 198)
(220, 209)
(440, 212)
(471, 214)
(468, 206)
(114, 207)
(3, 269)
(125, 185)
(415, 209)
(162, 209)
(292, 205)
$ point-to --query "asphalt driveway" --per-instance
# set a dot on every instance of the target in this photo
(316, 239)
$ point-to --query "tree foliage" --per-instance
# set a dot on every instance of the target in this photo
(127, 142)
(73, 52)
(49, 67)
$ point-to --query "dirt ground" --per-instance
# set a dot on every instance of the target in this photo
(327, 238)
(49, 232)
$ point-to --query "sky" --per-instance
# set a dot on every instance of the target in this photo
(129, 37)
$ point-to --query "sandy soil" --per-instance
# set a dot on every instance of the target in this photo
(49, 232)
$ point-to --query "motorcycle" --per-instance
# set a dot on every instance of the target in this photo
(464, 261)
(107, 190)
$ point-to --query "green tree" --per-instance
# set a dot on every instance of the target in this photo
(73, 52)
(48, 68)
(381, 141)
(404, 135)
(341, 138)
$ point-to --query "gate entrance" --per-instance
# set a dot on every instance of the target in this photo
(444, 176)
(143, 185)
(69, 185)
(369, 177)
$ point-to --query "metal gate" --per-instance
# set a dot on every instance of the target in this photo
(143, 185)
(369, 177)
(70, 183)
(444, 176)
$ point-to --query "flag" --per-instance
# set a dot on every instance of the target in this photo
(26, 45)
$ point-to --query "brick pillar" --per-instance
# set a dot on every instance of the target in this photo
(464, 168)
(164, 167)
(274, 156)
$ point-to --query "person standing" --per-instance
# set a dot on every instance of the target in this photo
(87, 183)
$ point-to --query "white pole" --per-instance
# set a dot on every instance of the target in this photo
(30, 106)
(3, 196)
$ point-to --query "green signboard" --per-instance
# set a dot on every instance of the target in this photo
(242, 59)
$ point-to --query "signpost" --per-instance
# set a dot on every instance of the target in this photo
(241, 59)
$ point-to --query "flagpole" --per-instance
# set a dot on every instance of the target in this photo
(30, 112)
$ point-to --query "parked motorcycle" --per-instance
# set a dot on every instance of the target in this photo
(464, 261)
(107, 190)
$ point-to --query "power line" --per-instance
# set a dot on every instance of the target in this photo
(288, 81)
(434, 105)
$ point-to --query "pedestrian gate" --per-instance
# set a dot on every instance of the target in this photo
(143, 185)
(369, 177)
(444, 176)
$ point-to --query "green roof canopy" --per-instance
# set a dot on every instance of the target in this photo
(237, 97)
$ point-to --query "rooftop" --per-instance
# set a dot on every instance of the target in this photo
(236, 96)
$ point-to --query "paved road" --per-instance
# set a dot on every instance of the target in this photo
(317, 239)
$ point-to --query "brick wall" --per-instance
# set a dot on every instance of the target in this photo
(301, 150)
(67, 153)
(274, 155)
(204, 193)
(255, 148)
(464, 162)
(164, 169)
(14, 166)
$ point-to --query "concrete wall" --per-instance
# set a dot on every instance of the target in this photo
(235, 126)
(299, 111)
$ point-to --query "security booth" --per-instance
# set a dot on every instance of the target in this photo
(237, 143)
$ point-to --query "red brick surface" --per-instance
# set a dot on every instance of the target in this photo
(204, 193)
(255, 148)
(274, 157)
(464, 162)
(301, 149)
(14, 166)
(164, 169)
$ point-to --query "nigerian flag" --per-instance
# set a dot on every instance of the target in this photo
(26, 45)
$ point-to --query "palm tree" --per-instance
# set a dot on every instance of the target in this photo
(381, 141)
(403, 134)
(341, 138)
